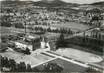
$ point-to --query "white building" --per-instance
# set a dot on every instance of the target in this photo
(23, 46)
(45, 44)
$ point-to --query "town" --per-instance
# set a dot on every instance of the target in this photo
(40, 37)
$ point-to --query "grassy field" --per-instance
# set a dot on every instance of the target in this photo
(32, 59)
(10, 30)
(72, 25)
(67, 66)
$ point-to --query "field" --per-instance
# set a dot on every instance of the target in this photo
(80, 55)
(72, 25)
(67, 66)
(33, 59)
(10, 30)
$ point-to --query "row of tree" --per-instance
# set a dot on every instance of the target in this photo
(63, 30)
(52, 67)
(97, 35)
(9, 24)
(91, 70)
(20, 25)
(89, 43)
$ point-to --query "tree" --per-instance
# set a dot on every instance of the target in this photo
(19, 25)
(28, 69)
(2, 61)
(6, 24)
(12, 64)
(27, 51)
(49, 29)
(61, 38)
(6, 62)
(61, 41)
(95, 16)
(52, 67)
(21, 67)
(90, 70)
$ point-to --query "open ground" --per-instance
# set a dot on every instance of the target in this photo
(79, 55)
(33, 59)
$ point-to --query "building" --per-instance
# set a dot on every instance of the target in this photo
(45, 44)
(36, 44)
(23, 45)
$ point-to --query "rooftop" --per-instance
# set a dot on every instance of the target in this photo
(23, 42)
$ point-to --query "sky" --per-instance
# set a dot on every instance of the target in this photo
(71, 1)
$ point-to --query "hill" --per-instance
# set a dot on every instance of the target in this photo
(98, 3)
(54, 3)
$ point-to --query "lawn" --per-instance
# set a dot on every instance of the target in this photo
(32, 59)
(67, 66)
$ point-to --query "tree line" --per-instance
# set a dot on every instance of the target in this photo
(9, 65)
(89, 43)
(20, 25)
(61, 30)
(12, 66)
(9, 24)
(61, 41)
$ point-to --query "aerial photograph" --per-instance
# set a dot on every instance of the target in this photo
(57, 36)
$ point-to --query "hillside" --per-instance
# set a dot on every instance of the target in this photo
(44, 3)
(98, 3)
(55, 3)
